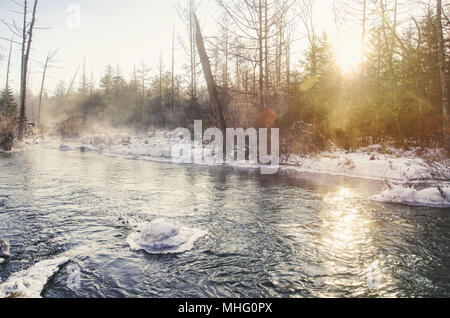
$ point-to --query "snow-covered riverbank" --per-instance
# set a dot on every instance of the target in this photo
(394, 166)
(368, 163)
(400, 167)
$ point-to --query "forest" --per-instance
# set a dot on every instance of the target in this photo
(246, 76)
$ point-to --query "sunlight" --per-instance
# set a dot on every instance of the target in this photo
(349, 53)
(342, 195)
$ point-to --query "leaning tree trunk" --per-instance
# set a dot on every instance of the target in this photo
(443, 75)
(217, 104)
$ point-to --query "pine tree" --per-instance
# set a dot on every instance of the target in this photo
(8, 104)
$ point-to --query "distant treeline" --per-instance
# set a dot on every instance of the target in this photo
(396, 93)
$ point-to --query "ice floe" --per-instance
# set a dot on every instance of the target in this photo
(163, 236)
(30, 283)
(432, 197)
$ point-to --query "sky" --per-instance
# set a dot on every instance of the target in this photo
(125, 33)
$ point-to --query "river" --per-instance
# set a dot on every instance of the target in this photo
(288, 235)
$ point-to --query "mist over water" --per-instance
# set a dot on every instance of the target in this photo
(280, 236)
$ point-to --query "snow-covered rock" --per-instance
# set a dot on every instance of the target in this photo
(164, 237)
(4, 249)
(64, 148)
(30, 283)
(432, 197)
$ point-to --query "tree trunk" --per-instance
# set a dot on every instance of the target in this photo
(261, 66)
(173, 72)
(23, 75)
(266, 51)
(363, 37)
(73, 81)
(217, 105)
(160, 89)
(26, 58)
(41, 92)
(443, 75)
(9, 65)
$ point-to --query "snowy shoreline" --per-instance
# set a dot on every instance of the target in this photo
(399, 169)
(366, 163)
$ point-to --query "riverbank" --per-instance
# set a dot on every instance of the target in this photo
(428, 168)
(413, 166)
(373, 163)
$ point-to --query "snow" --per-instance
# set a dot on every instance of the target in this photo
(373, 163)
(362, 165)
(4, 249)
(432, 197)
(30, 283)
(163, 236)
(365, 163)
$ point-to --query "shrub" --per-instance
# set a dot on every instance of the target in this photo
(8, 130)
(70, 127)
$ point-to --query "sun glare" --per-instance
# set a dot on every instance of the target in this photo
(349, 53)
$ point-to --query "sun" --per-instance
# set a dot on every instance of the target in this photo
(349, 53)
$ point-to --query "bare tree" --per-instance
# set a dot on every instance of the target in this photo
(84, 80)
(143, 77)
(26, 35)
(443, 75)
(259, 24)
(50, 56)
(173, 72)
(160, 87)
(73, 81)
(8, 67)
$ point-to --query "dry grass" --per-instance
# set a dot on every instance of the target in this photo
(8, 130)
(70, 127)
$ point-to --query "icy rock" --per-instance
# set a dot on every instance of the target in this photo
(86, 149)
(164, 237)
(4, 249)
(64, 148)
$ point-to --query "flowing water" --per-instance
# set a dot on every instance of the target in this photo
(267, 236)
